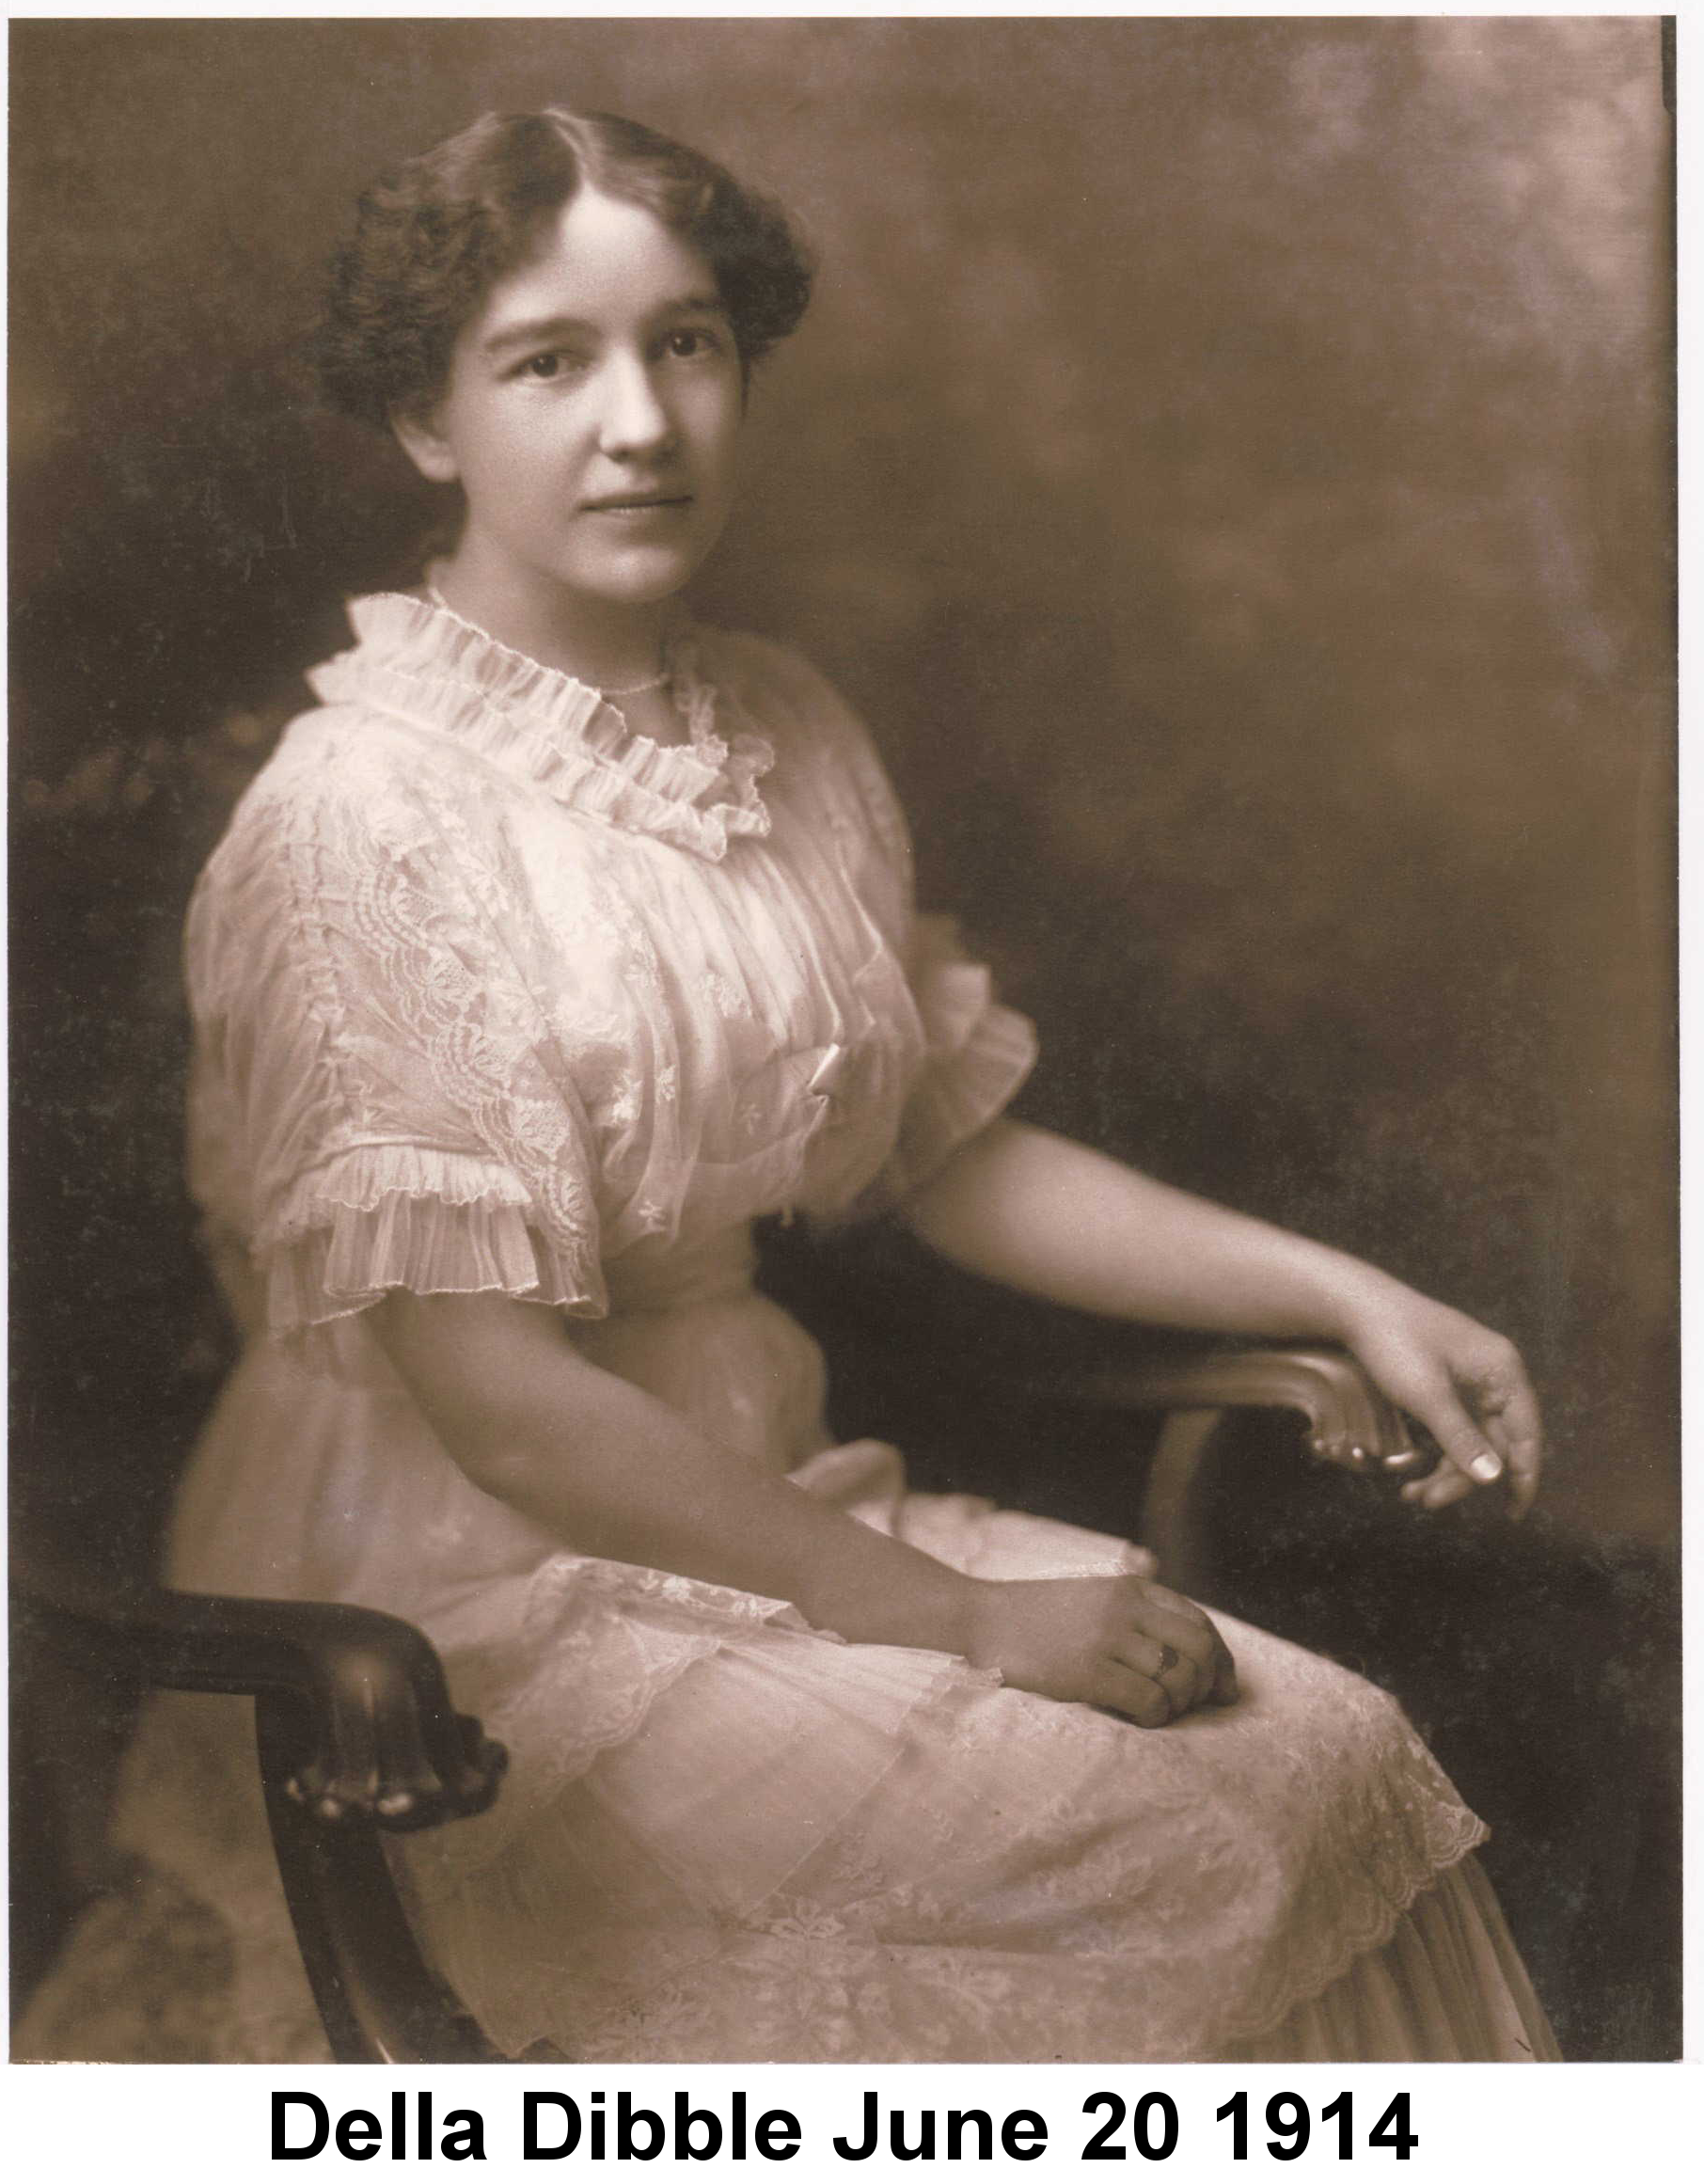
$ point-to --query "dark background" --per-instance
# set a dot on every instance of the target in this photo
(1228, 461)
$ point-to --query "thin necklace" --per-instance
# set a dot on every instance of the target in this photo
(436, 598)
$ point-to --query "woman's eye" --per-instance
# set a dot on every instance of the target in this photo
(691, 342)
(550, 364)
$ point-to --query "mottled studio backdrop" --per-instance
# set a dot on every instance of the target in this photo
(1228, 462)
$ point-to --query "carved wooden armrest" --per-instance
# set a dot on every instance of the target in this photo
(365, 1712)
(355, 1732)
(1349, 1422)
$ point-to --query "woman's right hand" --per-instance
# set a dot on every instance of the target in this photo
(1118, 1643)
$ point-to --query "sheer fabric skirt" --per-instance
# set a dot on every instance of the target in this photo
(727, 1837)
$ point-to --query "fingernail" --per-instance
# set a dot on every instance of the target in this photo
(1485, 1468)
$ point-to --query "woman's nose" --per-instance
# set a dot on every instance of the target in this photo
(635, 420)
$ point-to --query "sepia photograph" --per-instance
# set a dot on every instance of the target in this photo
(844, 1218)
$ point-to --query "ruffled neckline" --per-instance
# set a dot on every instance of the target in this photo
(422, 663)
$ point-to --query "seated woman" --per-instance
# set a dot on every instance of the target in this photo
(564, 938)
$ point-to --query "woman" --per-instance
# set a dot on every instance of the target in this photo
(560, 941)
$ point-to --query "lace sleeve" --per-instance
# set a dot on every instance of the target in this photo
(400, 1110)
(976, 1055)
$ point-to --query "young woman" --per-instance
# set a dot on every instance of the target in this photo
(564, 938)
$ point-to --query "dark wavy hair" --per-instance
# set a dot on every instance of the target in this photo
(432, 236)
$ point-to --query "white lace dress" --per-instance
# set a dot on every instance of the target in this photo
(492, 994)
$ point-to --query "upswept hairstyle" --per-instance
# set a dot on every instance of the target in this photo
(433, 235)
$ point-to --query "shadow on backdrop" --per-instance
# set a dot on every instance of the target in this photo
(1228, 462)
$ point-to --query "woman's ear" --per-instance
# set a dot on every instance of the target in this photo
(422, 441)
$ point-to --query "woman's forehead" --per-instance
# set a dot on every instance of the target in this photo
(599, 261)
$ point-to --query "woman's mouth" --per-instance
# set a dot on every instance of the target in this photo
(636, 504)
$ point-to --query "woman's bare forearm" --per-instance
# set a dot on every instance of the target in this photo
(1040, 1212)
(1043, 1214)
(613, 1471)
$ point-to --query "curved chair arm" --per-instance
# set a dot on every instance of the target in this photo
(900, 1296)
(355, 1732)
(373, 1730)
(900, 1300)
(1349, 1421)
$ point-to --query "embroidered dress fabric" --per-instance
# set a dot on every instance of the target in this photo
(492, 994)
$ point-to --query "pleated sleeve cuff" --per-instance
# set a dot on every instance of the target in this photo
(389, 1216)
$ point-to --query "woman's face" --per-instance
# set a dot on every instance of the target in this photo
(592, 415)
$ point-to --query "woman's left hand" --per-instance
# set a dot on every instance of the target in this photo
(1465, 1384)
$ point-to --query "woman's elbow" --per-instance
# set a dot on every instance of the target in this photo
(505, 1467)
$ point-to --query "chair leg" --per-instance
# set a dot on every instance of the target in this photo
(378, 1999)
(1167, 1524)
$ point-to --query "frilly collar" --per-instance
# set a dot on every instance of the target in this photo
(424, 662)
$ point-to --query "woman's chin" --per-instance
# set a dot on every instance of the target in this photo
(641, 583)
(643, 572)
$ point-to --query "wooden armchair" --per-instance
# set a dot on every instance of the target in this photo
(357, 1735)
